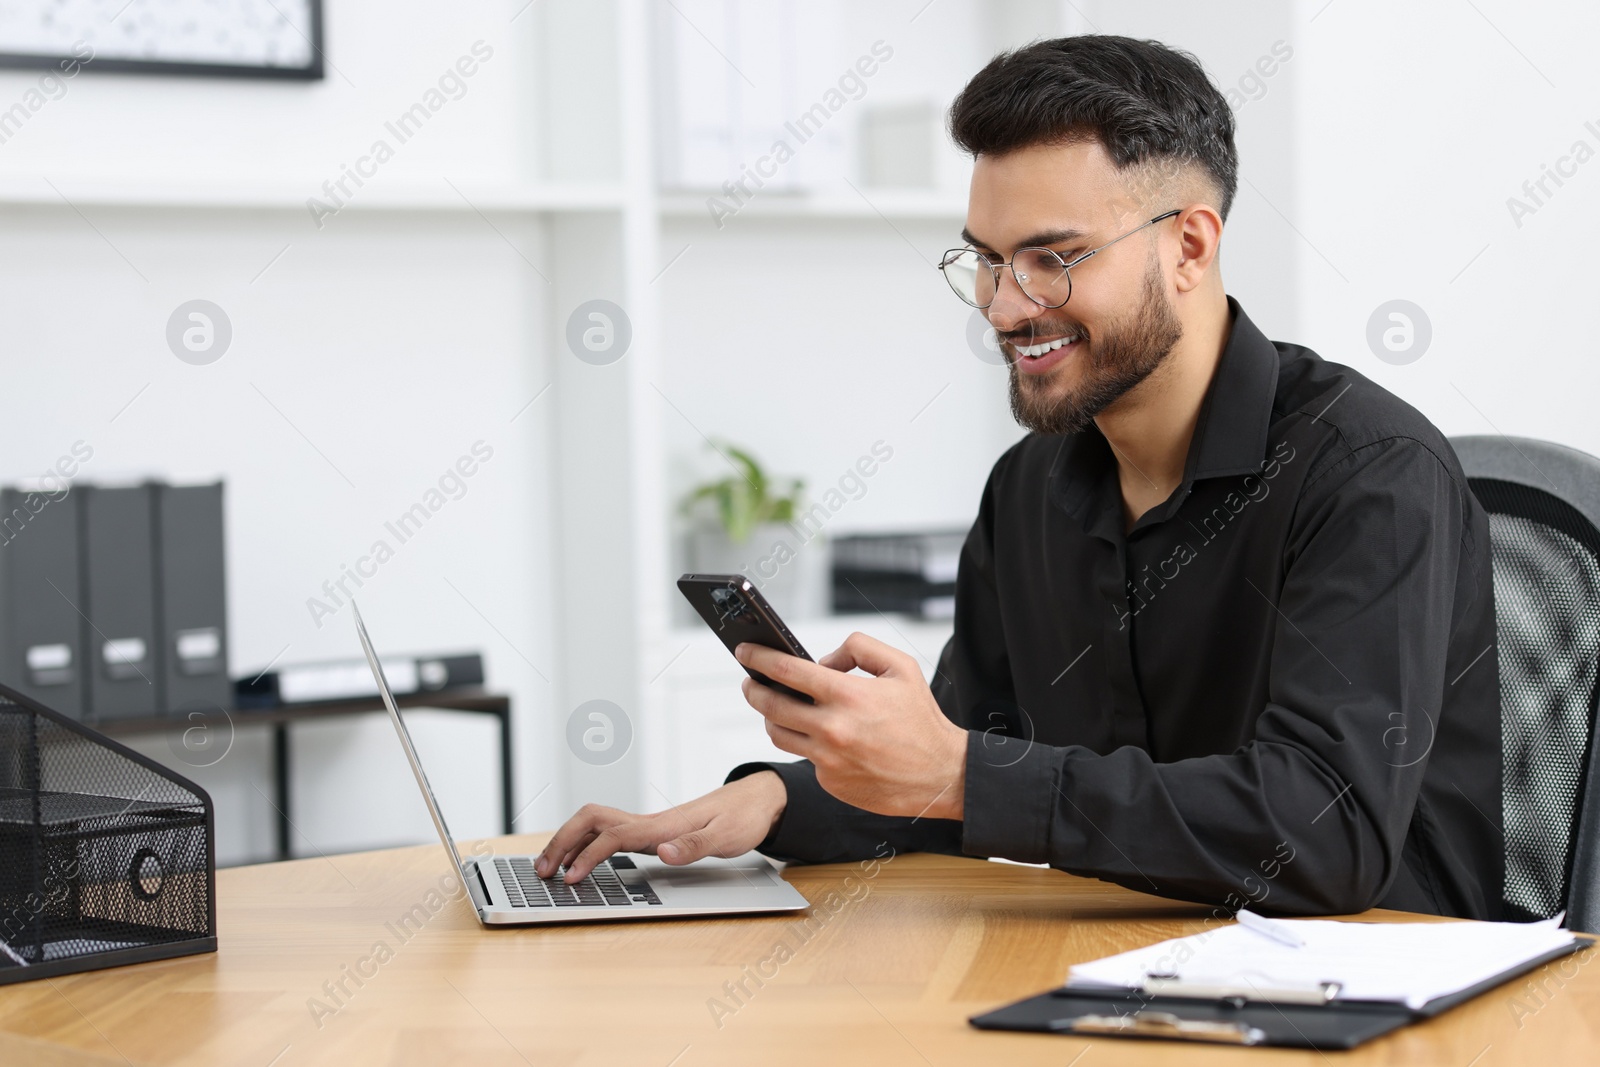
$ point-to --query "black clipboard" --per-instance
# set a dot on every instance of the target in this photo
(1235, 1020)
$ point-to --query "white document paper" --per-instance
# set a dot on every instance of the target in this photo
(1409, 963)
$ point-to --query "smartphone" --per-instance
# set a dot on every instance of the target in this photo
(736, 612)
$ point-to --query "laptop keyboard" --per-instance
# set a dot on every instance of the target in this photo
(602, 887)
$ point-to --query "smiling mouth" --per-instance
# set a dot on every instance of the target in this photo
(1035, 351)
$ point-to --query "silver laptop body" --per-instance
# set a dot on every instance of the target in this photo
(506, 891)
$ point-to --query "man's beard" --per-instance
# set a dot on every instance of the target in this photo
(1123, 356)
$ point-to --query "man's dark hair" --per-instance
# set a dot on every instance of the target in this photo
(1143, 101)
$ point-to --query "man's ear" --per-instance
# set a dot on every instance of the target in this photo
(1199, 231)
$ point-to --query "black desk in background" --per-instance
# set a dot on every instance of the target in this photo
(476, 701)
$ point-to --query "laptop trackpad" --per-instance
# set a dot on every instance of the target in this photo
(710, 877)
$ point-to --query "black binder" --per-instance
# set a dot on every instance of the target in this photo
(1260, 1019)
(122, 667)
(41, 630)
(194, 609)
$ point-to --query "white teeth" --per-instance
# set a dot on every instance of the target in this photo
(1048, 346)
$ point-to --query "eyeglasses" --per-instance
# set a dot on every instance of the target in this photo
(1042, 275)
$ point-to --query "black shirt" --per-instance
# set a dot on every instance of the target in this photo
(1277, 690)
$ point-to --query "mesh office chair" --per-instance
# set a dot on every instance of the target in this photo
(1544, 517)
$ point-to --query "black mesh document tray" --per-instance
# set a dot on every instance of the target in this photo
(106, 857)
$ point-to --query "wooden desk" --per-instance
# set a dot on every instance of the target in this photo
(889, 979)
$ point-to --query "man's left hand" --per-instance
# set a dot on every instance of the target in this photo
(878, 743)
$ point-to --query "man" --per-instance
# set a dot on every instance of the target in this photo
(1224, 623)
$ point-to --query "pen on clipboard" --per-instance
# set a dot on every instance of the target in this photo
(1271, 929)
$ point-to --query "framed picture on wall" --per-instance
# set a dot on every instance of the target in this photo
(229, 38)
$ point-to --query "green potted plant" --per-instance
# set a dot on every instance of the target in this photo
(738, 520)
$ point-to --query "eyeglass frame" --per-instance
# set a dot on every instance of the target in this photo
(1066, 268)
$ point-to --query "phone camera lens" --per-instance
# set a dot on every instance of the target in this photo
(730, 605)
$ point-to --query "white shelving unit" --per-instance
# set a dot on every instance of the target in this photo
(284, 196)
(894, 204)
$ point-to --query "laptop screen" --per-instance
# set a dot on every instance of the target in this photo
(405, 742)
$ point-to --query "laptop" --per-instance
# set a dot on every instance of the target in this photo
(507, 891)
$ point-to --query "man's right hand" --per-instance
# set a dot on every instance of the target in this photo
(728, 821)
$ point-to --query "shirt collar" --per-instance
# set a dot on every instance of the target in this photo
(1230, 436)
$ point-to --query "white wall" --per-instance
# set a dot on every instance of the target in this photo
(1418, 122)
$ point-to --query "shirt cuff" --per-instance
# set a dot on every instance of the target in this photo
(800, 783)
(1011, 793)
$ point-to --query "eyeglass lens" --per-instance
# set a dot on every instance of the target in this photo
(1040, 274)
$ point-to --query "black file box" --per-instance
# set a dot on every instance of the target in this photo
(119, 567)
(113, 600)
(106, 857)
(194, 609)
(41, 631)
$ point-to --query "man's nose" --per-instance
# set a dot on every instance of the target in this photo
(1010, 307)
